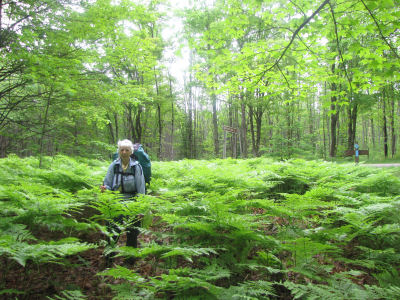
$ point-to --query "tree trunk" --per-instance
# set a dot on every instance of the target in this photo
(189, 126)
(230, 122)
(393, 133)
(258, 116)
(334, 118)
(111, 129)
(4, 144)
(138, 126)
(159, 152)
(172, 118)
(195, 124)
(372, 132)
(351, 126)
(253, 139)
(385, 133)
(215, 124)
(324, 133)
(45, 118)
(116, 127)
(243, 131)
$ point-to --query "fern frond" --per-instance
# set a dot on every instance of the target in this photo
(188, 252)
(69, 295)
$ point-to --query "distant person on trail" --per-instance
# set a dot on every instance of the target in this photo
(357, 152)
(125, 175)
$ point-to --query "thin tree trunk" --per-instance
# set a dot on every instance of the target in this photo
(195, 125)
(324, 132)
(215, 124)
(385, 133)
(44, 127)
(243, 131)
(116, 127)
(253, 139)
(159, 152)
(258, 116)
(111, 129)
(189, 127)
(372, 132)
(393, 133)
(4, 143)
(230, 120)
(351, 126)
(172, 118)
(334, 118)
(138, 125)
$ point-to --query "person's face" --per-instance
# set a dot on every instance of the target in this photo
(125, 152)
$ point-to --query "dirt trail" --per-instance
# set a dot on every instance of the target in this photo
(381, 165)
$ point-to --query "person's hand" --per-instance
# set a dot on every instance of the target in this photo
(102, 188)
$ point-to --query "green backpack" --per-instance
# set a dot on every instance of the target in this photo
(144, 160)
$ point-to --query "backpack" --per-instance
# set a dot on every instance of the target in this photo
(144, 160)
(117, 172)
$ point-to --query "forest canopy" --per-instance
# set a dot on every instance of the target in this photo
(298, 78)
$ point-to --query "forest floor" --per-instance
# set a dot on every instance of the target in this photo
(381, 165)
(77, 272)
(80, 273)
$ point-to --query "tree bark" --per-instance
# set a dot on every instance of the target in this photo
(351, 126)
(253, 139)
(334, 117)
(243, 131)
(215, 124)
(4, 143)
(258, 113)
(116, 127)
(385, 133)
(393, 133)
(45, 118)
(172, 117)
(111, 129)
(138, 128)
(159, 152)
(189, 126)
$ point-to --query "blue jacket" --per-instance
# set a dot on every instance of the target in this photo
(132, 184)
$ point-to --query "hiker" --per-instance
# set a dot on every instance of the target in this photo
(126, 176)
(357, 152)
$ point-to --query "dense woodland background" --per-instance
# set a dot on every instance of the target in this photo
(295, 77)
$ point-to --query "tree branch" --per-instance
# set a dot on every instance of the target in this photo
(340, 51)
(293, 37)
(379, 28)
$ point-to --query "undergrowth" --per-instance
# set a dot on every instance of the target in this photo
(221, 229)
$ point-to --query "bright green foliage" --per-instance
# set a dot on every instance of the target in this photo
(33, 199)
(221, 229)
(240, 228)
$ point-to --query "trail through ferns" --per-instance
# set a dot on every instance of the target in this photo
(221, 229)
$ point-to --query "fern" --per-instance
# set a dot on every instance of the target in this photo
(337, 288)
(188, 252)
(250, 290)
(21, 252)
(69, 295)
